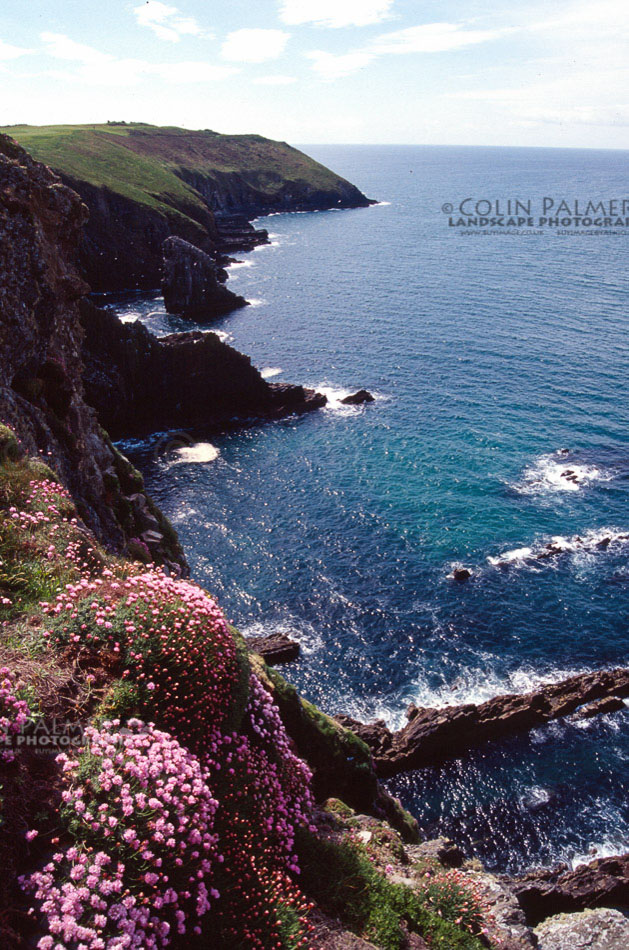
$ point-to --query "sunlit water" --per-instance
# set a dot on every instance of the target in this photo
(489, 358)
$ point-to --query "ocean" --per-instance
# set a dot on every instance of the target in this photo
(499, 362)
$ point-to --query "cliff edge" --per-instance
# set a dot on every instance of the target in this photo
(143, 183)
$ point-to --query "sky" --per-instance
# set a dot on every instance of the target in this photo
(552, 73)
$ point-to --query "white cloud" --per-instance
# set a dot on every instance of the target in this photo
(102, 69)
(254, 46)
(560, 97)
(334, 13)
(277, 80)
(431, 38)
(12, 52)
(166, 22)
(428, 38)
(62, 47)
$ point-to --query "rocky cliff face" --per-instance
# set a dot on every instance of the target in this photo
(143, 183)
(120, 246)
(139, 384)
(41, 390)
(191, 285)
(228, 193)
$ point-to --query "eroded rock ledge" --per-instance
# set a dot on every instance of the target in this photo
(433, 735)
(138, 383)
(602, 883)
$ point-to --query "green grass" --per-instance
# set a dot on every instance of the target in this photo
(343, 881)
(147, 164)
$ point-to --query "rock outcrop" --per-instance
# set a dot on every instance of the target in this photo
(41, 390)
(274, 648)
(603, 929)
(602, 883)
(190, 283)
(152, 182)
(433, 735)
(138, 383)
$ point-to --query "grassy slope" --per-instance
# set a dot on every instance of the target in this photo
(141, 161)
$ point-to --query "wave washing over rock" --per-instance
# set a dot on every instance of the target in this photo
(560, 472)
(590, 543)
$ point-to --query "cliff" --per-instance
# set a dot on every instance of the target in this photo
(159, 785)
(138, 383)
(143, 183)
(41, 389)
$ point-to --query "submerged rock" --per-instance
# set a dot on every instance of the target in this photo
(190, 283)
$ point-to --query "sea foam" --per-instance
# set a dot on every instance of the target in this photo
(558, 473)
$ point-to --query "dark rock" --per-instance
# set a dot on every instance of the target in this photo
(357, 398)
(412, 941)
(236, 233)
(438, 849)
(433, 735)
(376, 734)
(274, 648)
(41, 390)
(602, 883)
(287, 399)
(121, 243)
(138, 383)
(609, 704)
(190, 283)
(461, 574)
(411, 711)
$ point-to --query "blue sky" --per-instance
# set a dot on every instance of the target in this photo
(307, 71)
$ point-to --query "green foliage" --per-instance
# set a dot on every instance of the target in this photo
(29, 571)
(149, 165)
(341, 762)
(240, 692)
(451, 895)
(343, 881)
(123, 700)
(9, 446)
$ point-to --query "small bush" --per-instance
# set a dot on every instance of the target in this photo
(343, 881)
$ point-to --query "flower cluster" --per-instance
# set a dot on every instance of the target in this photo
(453, 896)
(265, 795)
(140, 807)
(41, 542)
(168, 636)
(14, 713)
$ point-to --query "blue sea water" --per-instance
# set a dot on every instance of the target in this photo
(488, 356)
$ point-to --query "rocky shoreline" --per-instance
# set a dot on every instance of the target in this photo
(68, 368)
(434, 735)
